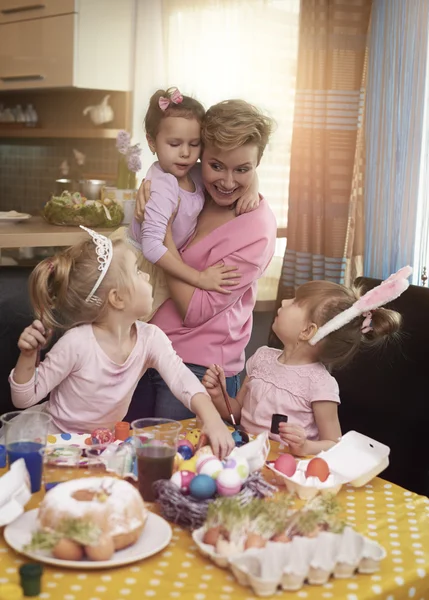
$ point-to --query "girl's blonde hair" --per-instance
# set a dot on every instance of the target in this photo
(189, 108)
(324, 300)
(233, 123)
(60, 285)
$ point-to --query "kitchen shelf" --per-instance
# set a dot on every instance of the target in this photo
(42, 132)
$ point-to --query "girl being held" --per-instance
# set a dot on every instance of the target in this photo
(95, 293)
(321, 329)
(173, 131)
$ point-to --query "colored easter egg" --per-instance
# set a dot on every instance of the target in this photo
(204, 451)
(240, 465)
(228, 482)
(317, 467)
(183, 480)
(202, 487)
(189, 465)
(286, 464)
(178, 459)
(187, 443)
(210, 466)
(240, 438)
(185, 451)
(194, 436)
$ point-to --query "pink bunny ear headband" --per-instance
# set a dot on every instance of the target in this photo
(175, 98)
(388, 290)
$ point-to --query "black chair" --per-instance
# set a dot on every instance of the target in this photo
(384, 393)
(15, 315)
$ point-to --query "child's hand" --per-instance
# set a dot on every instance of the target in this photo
(218, 276)
(250, 199)
(211, 381)
(294, 436)
(220, 437)
(142, 197)
(31, 338)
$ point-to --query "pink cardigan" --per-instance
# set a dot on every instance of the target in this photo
(217, 327)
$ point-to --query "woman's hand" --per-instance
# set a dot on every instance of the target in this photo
(211, 381)
(218, 276)
(143, 195)
(31, 338)
(220, 437)
(295, 437)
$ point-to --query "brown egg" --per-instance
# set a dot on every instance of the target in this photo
(103, 550)
(67, 549)
(254, 540)
(281, 537)
(211, 536)
(317, 467)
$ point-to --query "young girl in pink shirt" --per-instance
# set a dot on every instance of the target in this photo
(321, 328)
(95, 293)
(173, 132)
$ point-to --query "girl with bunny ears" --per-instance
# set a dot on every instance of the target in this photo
(321, 328)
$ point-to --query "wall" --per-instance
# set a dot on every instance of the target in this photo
(29, 168)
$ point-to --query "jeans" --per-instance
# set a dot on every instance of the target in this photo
(153, 398)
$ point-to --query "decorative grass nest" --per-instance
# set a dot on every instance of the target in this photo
(191, 513)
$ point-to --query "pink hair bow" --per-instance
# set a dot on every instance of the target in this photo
(388, 290)
(175, 98)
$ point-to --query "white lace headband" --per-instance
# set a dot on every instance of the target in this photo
(104, 251)
(388, 290)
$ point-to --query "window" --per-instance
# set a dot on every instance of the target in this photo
(220, 49)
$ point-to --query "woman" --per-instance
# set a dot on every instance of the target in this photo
(208, 327)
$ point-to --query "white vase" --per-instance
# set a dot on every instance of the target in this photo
(126, 198)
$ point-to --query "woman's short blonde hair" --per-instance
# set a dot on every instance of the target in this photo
(233, 123)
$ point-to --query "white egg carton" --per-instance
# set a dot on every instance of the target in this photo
(290, 565)
(355, 459)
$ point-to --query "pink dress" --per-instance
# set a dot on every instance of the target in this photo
(217, 327)
(88, 390)
(285, 389)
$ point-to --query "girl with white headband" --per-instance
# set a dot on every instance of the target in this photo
(95, 293)
(321, 329)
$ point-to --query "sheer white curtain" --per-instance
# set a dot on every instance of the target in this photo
(221, 49)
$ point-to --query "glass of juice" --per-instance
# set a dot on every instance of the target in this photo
(25, 435)
(156, 445)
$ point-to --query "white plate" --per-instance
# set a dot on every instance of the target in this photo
(155, 537)
(13, 217)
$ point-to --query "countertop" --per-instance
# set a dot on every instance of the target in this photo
(35, 232)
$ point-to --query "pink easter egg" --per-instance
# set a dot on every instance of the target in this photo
(228, 482)
(286, 464)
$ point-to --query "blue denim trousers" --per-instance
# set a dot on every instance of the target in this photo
(153, 398)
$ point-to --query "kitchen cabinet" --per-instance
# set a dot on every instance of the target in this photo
(22, 10)
(89, 47)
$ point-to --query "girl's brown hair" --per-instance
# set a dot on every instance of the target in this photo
(324, 300)
(189, 108)
(233, 123)
(60, 285)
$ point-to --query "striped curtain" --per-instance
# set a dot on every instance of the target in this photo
(395, 134)
(325, 221)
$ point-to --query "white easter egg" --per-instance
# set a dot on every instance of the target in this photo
(228, 482)
(211, 466)
(240, 465)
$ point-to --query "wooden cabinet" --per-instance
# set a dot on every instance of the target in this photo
(89, 47)
(22, 10)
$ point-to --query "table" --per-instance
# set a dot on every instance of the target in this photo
(394, 517)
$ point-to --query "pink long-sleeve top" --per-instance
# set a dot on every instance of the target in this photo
(88, 390)
(164, 196)
(217, 326)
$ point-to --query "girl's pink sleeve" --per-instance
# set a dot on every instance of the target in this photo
(325, 390)
(61, 360)
(181, 381)
(164, 195)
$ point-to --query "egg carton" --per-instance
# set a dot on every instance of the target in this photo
(289, 565)
(355, 459)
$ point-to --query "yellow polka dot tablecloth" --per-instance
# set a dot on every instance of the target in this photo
(396, 518)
